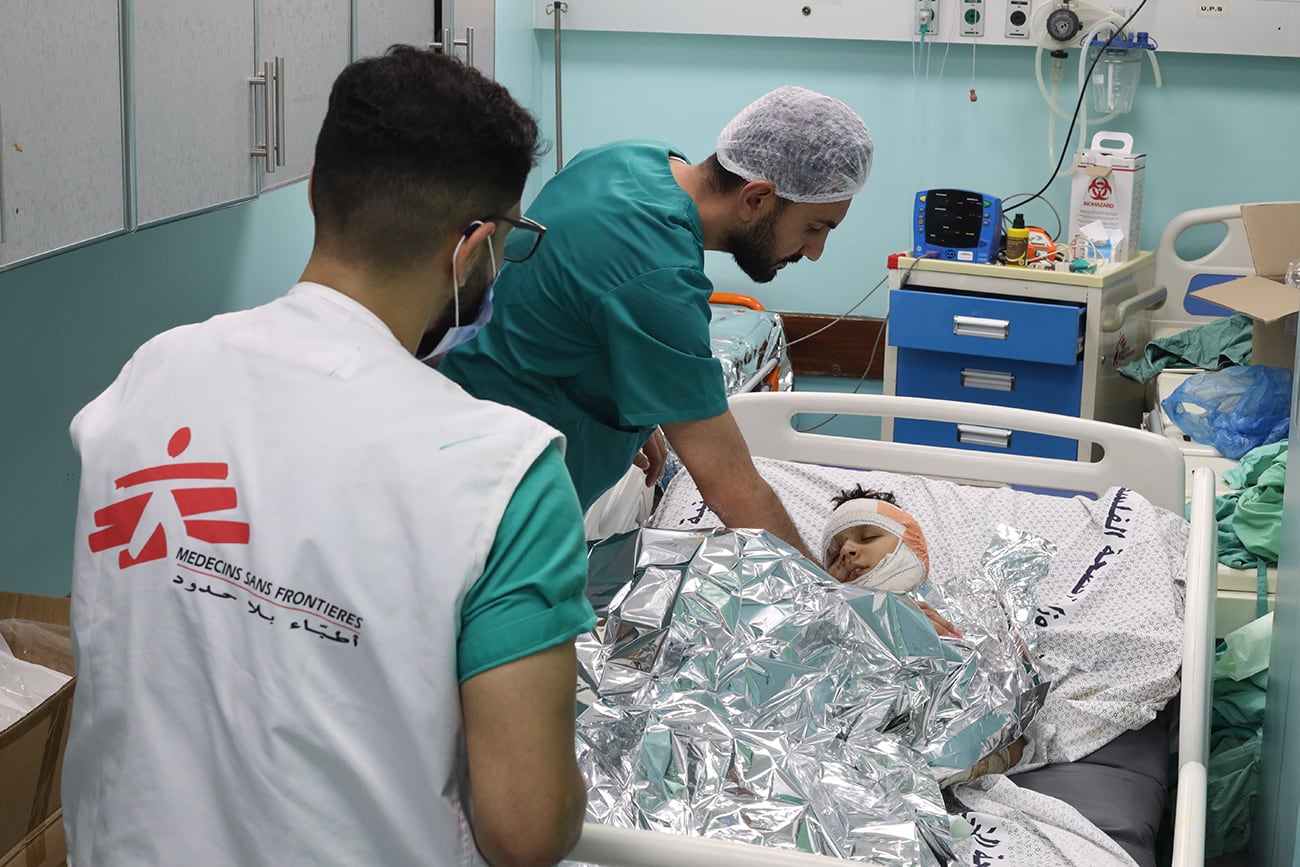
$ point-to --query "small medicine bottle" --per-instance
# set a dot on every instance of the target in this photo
(1017, 241)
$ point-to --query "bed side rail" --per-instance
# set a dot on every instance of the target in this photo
(1198, 660)
(1146, 462)
(634, 847)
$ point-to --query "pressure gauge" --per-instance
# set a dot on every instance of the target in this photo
(1063, 24)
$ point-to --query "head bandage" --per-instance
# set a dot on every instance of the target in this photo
(811, 147)
(904, 569)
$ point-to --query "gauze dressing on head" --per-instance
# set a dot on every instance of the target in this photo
(906, 568)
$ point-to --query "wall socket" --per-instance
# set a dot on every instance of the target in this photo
(1017, 19)
(972, 18)
(927, 15)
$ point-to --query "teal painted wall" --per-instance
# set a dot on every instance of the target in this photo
(70, 322)
(1216, 133)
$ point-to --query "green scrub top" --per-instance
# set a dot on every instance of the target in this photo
(604, 332)
(531, 595)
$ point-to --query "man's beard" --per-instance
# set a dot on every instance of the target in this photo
(471, 296)
(753, 249)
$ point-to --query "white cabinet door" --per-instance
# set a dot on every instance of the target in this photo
(381, 23)
(314, 38)
(194, 109)
(474, 23)
(61, 162)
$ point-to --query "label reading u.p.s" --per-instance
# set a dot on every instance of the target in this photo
(1211, 8)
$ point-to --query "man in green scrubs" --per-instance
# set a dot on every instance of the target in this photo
(604, 333)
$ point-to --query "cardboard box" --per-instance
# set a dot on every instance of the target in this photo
(1107, 188)
(31, 750)
(1273, 233)
(44, 847)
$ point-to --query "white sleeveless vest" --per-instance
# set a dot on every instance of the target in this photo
(280, 513)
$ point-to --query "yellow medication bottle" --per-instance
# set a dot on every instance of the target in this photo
(1017, 241)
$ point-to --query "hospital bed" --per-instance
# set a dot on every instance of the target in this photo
(1149, 464)
(1228, 259)
(749, 342)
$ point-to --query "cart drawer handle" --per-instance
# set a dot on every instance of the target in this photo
(991, 380)
(973, 326)
(974, 435)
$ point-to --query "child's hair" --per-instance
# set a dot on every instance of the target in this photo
(861, 493)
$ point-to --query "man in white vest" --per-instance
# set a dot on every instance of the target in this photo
(324, 601)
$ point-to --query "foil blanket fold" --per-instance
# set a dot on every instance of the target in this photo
(733, 690)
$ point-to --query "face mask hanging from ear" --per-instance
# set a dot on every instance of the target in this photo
(458, 334)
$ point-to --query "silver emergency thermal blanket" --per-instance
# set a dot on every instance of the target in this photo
(1109, 613)
(735, 691)
(744, 341)
(1108, 619)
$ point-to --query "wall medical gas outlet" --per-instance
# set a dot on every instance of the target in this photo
(972, 18)
(1017, 19)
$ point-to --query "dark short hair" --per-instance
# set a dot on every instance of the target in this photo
(860, 493)
(722, 181)
(720, 178)
(415, 144)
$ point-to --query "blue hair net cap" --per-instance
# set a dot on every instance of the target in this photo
(811, 147)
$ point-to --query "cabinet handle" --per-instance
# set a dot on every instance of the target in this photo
(468, 44)
(974, 435)
(446, 43)
(991, 380)
(265, 149)
(280, 126)
(973, 326)
(444, 39)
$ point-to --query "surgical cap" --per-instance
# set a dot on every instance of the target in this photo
(811, 147)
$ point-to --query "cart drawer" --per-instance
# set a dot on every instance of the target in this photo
(984, 439)
(996, 381)
(990, 327)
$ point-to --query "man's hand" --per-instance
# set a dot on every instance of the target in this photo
(714, 453)
(652, 457)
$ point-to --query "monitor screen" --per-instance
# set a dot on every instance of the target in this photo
(954, 218)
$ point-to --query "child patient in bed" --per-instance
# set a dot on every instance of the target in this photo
(869, 541)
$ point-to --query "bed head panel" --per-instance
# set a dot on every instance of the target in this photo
(1227, 261)
(1143, 461)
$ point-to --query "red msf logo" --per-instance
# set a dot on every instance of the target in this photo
(1099, 189)
(1122, 350)
(124, 521)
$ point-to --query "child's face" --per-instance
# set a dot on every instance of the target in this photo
(857, 550)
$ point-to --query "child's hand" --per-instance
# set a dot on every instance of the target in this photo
(941, 625)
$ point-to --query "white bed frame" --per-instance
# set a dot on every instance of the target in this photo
(1145, 462)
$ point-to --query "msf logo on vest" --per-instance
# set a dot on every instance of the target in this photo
(139, 524)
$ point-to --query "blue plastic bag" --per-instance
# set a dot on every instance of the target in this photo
(1235, 409)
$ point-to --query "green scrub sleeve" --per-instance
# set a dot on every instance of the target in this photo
(656, 331)
(531, 594)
